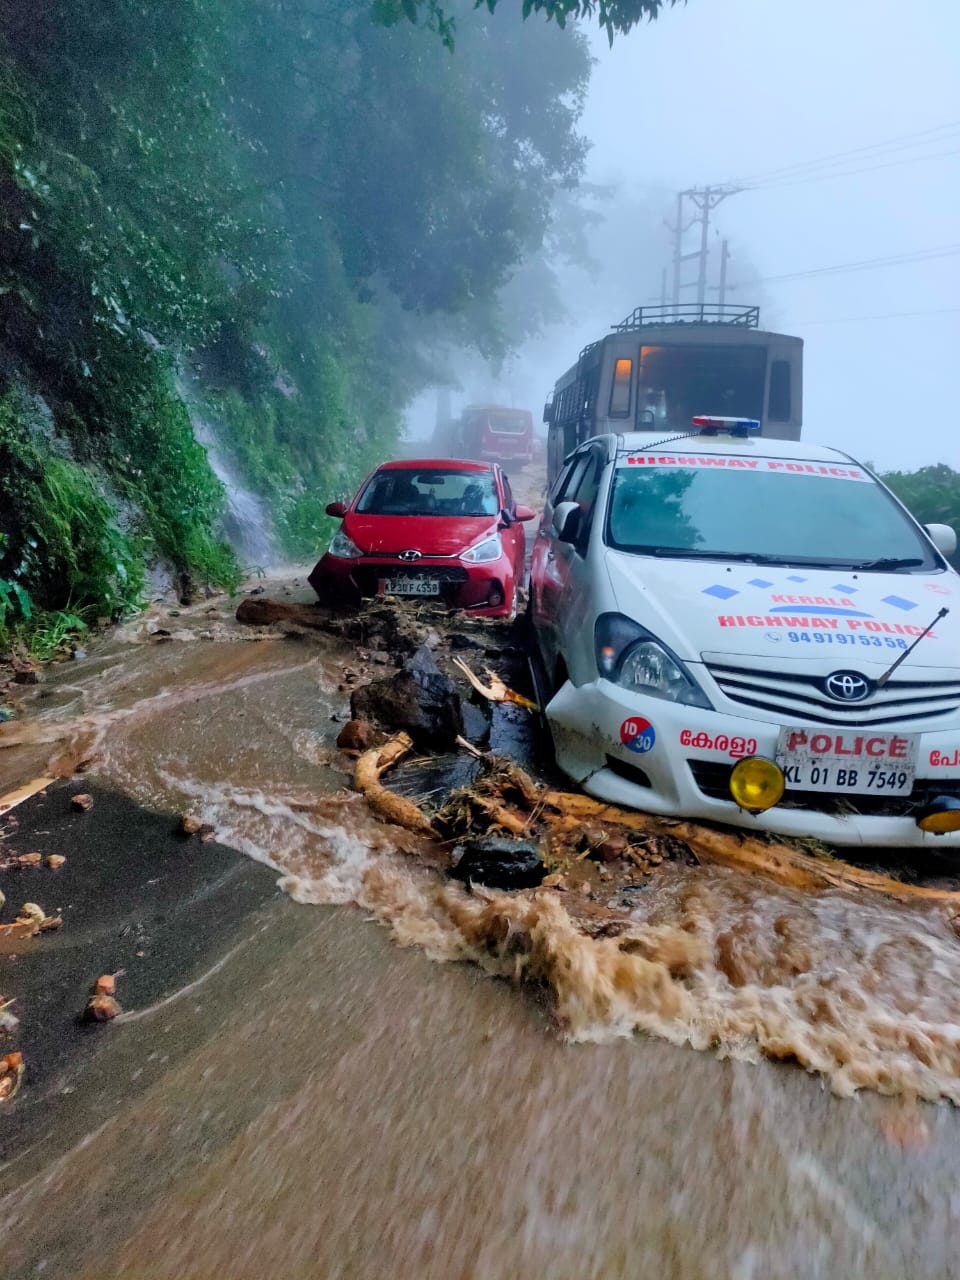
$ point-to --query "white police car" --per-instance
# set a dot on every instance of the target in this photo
(750, 631)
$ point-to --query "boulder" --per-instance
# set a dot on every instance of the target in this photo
(262, 612)
(499, 863)
(419, 699)
(357, 735)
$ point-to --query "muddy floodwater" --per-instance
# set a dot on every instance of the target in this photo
(382, 1074)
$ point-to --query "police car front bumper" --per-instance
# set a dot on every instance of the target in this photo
(638, 751)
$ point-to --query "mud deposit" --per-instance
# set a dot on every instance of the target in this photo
(238, 725)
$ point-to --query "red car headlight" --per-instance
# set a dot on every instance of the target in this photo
(344, 548)
(484, 552)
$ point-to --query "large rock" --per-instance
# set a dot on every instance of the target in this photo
(419, 699)
(263, 612)
(499, 863)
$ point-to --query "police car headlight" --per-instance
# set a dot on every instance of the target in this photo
(484, 552)
(632, 657)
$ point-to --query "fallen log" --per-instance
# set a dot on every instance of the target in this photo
(387, 804)
(780, 862)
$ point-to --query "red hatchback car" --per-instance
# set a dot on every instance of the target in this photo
(429, 528)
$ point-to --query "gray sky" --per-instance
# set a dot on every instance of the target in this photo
(720, 89)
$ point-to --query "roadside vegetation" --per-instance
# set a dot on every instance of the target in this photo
(265, 213)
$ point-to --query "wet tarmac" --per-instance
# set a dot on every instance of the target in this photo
(297, 1089)
(322, 1104)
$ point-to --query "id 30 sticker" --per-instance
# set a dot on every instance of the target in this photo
(637, 735)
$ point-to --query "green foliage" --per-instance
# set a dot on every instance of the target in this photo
(45, 636)
(614, 16)
(297, 201)
(931, 494)
(60, 534)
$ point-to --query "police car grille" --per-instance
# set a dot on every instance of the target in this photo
(801, 698)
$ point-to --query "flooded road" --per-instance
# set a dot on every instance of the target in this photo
(313, 1099)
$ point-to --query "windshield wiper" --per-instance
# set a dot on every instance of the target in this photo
(888, 563)
(740, 557)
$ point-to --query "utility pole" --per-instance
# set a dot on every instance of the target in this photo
(724, 257)
(663, 288)
(704, 201)
(678, 230)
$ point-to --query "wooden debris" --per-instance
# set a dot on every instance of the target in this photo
(11, 1074)
(101, 1008)
(102, 1005)
(780, 862)
(13, 798)
(387, 804)
(11, 935)
(509, 799)
(82, 802)
(495, 690)
(31, 912)
(55, 860)
(501, 816)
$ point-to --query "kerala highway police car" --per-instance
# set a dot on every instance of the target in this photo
(750, 631)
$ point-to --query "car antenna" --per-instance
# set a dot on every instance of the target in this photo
(907, 652)
(655, 444)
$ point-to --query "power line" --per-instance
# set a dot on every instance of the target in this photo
(884, 315)
(863, 264)
(846, 173)
(900, 142)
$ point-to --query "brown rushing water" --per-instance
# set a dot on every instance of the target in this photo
(350, 1109)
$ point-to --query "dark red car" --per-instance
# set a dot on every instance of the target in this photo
(429, 528)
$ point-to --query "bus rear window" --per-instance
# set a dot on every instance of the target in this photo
(678, 381)
(620, 391)
(778, 403)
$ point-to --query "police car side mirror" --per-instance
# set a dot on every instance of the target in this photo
(943, 538)
(566, 521)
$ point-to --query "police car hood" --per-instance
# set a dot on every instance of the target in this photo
(699, 607)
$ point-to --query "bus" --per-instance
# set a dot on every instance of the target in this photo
(495, 433)
(663, 364)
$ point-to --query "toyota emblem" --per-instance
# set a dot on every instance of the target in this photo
(410, 555)
(847, 686)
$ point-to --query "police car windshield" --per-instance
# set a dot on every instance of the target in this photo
(767, 510)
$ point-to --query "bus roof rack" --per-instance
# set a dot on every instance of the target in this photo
(690, 313)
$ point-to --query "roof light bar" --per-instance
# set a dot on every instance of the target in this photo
(709, 426)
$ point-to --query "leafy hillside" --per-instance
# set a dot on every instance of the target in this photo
(280, 205)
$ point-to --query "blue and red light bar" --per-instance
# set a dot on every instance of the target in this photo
(710, 426)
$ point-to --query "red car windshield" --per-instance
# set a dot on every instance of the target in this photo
(408, 492)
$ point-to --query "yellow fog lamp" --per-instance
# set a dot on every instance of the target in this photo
(940, 816)
(756, 783)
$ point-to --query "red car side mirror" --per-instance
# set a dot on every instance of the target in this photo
(338, 509)
(525, 513)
